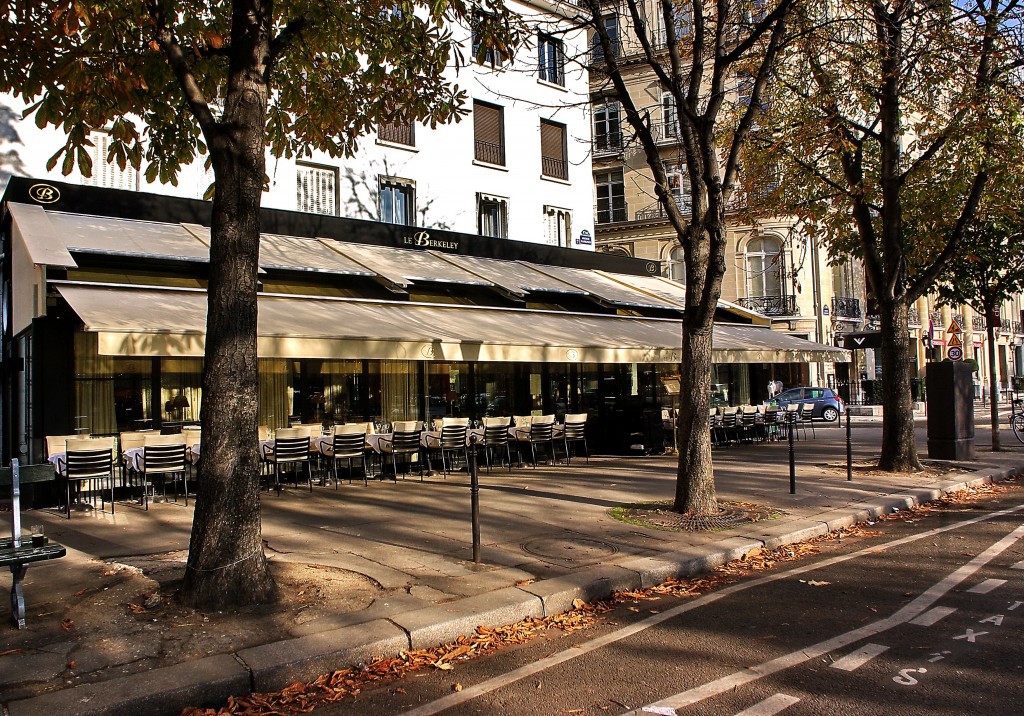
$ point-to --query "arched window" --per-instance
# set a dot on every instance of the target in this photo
(673, 266)
(766, 267)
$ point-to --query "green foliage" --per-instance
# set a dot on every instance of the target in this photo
(335, 70)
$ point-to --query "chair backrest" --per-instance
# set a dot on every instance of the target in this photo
(89, 457)
(542, 430)
(523, 421)
(496, 422)
(792, 407)
(56, 443)
(728, 418)
(576, 418)
(406, 440)
(453, 437)
(299, 429)
(806, 411)
(496, 433)
(263, 432)
(574, 431)
(350, 443)
(291, 445)
(178, 439)
(463, 422)
(132, 440)
(407, 426)
(350, 429)
(164, 456)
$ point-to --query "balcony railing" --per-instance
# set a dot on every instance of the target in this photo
(490, 153)
(554, 167)
(845, 307)
(610, 143)
(935, 317)
(657, 211)
(771, 305)
(977, 324)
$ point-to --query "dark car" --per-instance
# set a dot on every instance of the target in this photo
(827, 405)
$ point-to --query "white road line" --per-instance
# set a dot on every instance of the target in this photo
(932, 616)
(987, 586)
(498, 682)
(770, 706)
(858, 658)
(1019, 565)
(901, 616)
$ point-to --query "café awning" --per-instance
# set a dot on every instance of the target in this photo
(152, 321)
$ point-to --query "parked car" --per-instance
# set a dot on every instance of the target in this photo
(827, 405)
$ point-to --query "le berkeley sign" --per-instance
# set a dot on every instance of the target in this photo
(423, 240)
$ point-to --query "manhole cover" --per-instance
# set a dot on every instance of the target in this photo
(568, 549)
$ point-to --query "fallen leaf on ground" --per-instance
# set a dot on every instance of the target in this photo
(67, 625)
(456, 687)
(12, 651)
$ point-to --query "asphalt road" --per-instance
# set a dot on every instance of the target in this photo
(918, 617)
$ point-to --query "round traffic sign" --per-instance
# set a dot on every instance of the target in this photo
(955, 353)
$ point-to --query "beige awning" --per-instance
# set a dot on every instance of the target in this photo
(172, 322)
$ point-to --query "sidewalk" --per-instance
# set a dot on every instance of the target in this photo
(547, 539)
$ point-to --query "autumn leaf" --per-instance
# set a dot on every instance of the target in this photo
(456, 687)
(12, 651)
(67, 625)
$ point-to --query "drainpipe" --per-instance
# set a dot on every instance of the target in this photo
(819, 320)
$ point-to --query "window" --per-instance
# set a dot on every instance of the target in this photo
(679, 185)
(607, 130)
(551, 60)
(558, 226)
(611, 26)
(492, 216)
(397, 201)
(108, 173)
(553, 162)
(669, 117)
(675, 267)
(489, 131)
(611, 196)
(397, 132)
(484, 54)
(316, 189)
(681, 21)
(765, 267)
(744, 89)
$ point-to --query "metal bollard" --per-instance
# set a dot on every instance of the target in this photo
(849, 448)
(792, 455)
(474, 498)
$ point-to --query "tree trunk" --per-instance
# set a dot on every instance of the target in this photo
(993, 378)
(899, 446)
(695, 483)
(226, 563)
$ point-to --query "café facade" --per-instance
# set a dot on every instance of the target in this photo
(104, 314)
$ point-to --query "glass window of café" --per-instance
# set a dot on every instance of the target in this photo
(181, 381)
(448, 390)
(494, 389)
(111, 394)
(393, 391)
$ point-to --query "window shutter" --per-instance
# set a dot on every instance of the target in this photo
(551, 144)
(487, 123)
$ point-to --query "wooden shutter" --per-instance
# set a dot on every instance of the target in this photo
(488, 131)
(552, 145)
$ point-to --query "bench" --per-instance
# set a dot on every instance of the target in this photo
(14, 553)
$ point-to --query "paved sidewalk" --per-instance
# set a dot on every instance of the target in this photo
(547, 538)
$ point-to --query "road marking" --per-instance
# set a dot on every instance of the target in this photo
(932, 616)
(905, 678)
(795, 658)
(484, 687)
(1019, 565)
(970, 635)
(987, 586)
(860, 657)
(770, 706)
(996, 619)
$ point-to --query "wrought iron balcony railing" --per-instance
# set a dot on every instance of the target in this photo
(490, 153)
(771, 305)
(553, 167)
(398, 133)
(610, 143)
(977, 324)
(657, 211)
(845, 307)
(935, 317)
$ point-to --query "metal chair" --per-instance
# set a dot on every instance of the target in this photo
(729, 425)
(349, 444)
(807, 417)
(574, 431)
(164, 456)
(496, 436)
(453, 441)
(542, 431)
(90, 461)
(291, 447)
(404, 441)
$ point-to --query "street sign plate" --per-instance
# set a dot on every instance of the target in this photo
(954, 340)
(866, 339)
(954, 327)
(955, 353)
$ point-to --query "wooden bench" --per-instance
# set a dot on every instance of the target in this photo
(14, 552)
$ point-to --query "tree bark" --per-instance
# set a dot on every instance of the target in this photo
(695, 483)
(227, 565)
(899, 445)
(993, 378)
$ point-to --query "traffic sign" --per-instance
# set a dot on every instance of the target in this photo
(955, 353)
(954, 327)
(954, 340)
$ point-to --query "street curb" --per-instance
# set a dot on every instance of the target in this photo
(278, 664)
(269, 667)
(167, 690)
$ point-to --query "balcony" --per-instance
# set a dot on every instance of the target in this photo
(398, 133)
(490, 152)
(936, 318)
(978, 324)
(657, 211)
(554, 167)
(771, 305)
(845, 307)
(610, 143)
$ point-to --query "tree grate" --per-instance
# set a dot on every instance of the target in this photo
(659, 515)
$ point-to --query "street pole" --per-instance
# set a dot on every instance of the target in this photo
(792, 455)
(849, 448)
(474, 498)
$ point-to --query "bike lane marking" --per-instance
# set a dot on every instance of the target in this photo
(856, 659)
(987, 586)
(932, 616)
(770, 706)
(795, 658)
(497, 682)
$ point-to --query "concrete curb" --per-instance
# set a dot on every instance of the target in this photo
(273, 666)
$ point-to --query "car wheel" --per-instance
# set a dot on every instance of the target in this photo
(829, 414)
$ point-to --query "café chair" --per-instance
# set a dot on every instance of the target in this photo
(404, 441)
(542, 432)
(496, 437)
(349, 443)
(574, 431)
(90, 460)
(291, 447)
(163, 457)
(453, 441)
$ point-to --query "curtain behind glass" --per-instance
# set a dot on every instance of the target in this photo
(94, 388)
(275, 375)
(181, 377)
(341, 389)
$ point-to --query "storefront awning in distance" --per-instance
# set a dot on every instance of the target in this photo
(172, 322)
